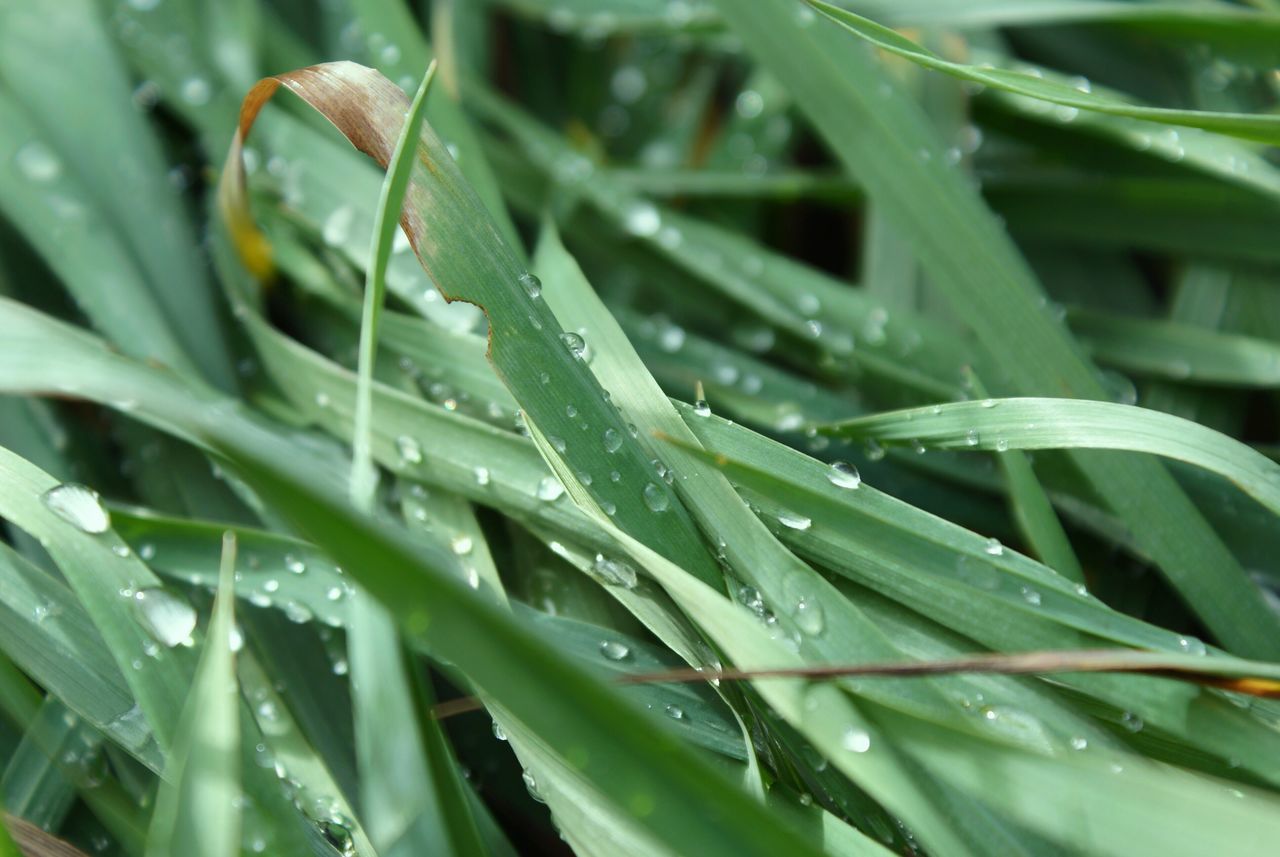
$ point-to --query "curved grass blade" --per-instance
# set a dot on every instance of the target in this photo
(884, 139)
(406, 52)
(1178, 351)
(999, 424)
(1261, 128)
(56, 213)
(465, 255)
(618, 748)
(122, 168)
(81, 544)
(390, 203)
(198, 808)
(627, 754)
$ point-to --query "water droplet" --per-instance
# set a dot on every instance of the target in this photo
(614, 572)
(615, 651)
(79, 505)
(794, 521)
(531, 785)
(531, 285)
(675, 712)
(612, 440)
(297, 612)
(557, 443)
(1131, 721)
(499, 732)
(844, 475)
(992, 547)
(1030, 596)
(482, 475)
(701, 408)
(167, 617)
(461, 545)
(643, 220)
(1192, 646)
(628, 84)
(196, 91)
(575, 343)
(749, 104)
(337, 226)
(655, 498)
(294, 564)
(856, 740)
(37, 162)
(410, 450)
(671, 339)
(809, 618)
(550, 489)
(1079, 743)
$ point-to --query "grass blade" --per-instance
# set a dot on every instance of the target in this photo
(198, 808)
(884, 139)
(1265, 129)
(999, 424)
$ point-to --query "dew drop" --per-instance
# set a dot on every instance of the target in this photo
(809, 618)
(167, 617)
(531, 284)
(655, 498)
(78, 505)
(337, 226)
(410, 450)
(294, 564)
(615, 651)
(531, 785)
(575, 343)
(856, 740)
(643, 220)
(1191, 645)
(844, 475)
(482, 475)
(196, 91)
(794, 521)
(992, 547)
(37, 162)
(614, 572)
(612, 440)
(671, 339)
(550, 489)
(297, 612)
(675, 712)
(461, 545)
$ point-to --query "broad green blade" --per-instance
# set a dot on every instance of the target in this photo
(1001, 424)
(122, 168)
(1260, 128)
(884, 140)
(1178, 351)
(199, 805)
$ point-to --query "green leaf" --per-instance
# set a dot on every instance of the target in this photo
(884, 140)
(999, 424)
(198, 807)
(1260, 128)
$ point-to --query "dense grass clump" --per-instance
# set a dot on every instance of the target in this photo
(639, 427)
